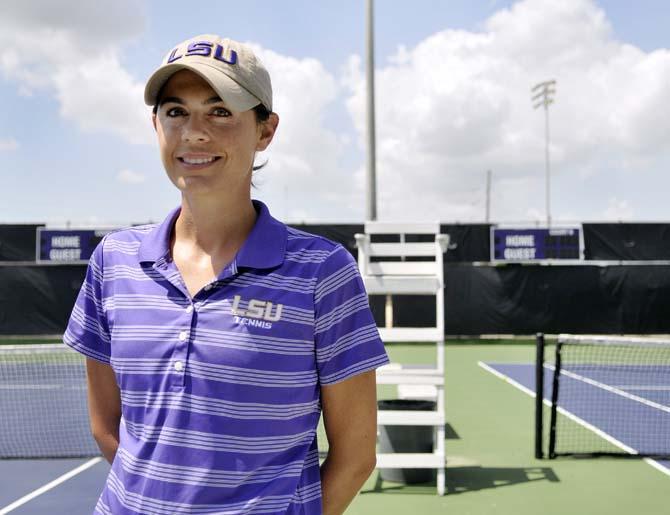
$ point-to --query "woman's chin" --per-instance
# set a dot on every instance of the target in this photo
(194, 184)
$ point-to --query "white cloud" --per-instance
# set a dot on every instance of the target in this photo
(130, 177)
(459, 103)
(7, 145)
(86, 74)
(72, 50)
(448, 109)
(618, 210)
(304, 173)
(92, 23)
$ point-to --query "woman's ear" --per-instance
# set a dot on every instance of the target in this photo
(267, 131)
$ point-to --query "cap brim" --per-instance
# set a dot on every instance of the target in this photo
(233, 95)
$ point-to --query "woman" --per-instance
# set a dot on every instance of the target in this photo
(214, 339)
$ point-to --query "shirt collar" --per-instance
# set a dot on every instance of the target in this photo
(264, 247)
(266, 244)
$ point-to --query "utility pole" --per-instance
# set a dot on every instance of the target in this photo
(488, 196)
(542, 93)
(371, 204)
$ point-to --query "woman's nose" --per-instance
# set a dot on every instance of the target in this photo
(194, 130)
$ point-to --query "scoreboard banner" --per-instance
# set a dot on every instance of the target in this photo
(67, 245)
(538, 244)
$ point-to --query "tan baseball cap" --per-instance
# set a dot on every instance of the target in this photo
(231, 68)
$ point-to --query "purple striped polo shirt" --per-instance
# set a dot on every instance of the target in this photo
(220, 392)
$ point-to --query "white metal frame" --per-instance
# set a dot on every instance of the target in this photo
(417, 382)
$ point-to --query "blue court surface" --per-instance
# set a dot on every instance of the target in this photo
(64, 486)
(645, 401)
(45, 396)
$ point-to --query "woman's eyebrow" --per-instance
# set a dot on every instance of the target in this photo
(214, 100)
(173, 100)
(176, 100)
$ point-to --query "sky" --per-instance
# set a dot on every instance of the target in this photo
(453, 100)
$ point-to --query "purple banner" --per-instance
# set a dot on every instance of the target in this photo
(535, 244)
(67, 246)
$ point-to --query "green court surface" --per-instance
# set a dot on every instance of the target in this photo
(490, 462)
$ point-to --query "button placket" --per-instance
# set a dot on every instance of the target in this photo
(181, 353)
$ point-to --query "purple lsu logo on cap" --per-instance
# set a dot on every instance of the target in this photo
(204, 49)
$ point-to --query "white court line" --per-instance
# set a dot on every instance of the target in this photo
(40, 387)
(35, 493)
(576, 419)
(643, 388)
(510, 380)
(658, 466)
(614, 390)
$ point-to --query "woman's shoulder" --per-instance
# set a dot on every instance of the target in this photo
(307, 242)
(125, 240)
(130, 233)
(308, 248)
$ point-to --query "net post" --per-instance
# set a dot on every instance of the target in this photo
(554, 400)
(539, 393)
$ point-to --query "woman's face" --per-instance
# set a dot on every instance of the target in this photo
(207, 149)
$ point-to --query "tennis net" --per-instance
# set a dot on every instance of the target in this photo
(608, 396)
(43, 403)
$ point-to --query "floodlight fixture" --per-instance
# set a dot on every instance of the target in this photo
(541, 95)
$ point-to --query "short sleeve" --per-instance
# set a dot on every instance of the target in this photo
(87, 330)
(345, 333)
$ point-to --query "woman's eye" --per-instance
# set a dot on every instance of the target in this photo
(220, 111)
(174, 111)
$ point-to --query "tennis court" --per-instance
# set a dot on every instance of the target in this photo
(608, 400)
(490, 465)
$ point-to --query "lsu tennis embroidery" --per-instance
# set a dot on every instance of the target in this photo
(258, 310)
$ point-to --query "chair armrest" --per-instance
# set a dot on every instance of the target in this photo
(443, 240)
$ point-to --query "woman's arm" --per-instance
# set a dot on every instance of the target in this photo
(350, 419)
(104, 406)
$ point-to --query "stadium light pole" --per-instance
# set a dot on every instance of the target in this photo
(542, 96)
(371, 204)
(488, 195)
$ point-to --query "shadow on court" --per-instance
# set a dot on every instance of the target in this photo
(470, 479)
(450, 433)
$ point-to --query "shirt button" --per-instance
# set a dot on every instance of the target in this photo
(189, 309)
(178, 366)
(183, 335)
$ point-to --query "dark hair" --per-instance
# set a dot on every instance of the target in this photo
(262, 116)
